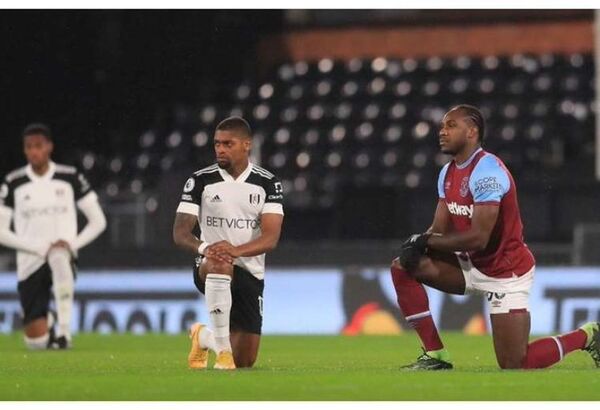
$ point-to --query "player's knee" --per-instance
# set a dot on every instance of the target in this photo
(219, 267)
(511, 362)
(244, 360)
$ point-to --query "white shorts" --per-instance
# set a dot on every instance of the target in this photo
(503, 295)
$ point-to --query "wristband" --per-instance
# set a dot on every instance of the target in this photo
(203, 247)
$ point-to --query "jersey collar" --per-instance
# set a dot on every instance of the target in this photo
(467, 162)
(35, 177)
(227, 177)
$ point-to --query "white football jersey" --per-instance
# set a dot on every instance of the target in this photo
(230, 209)
(43, 208)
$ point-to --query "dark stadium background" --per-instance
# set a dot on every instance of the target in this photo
(133, 97)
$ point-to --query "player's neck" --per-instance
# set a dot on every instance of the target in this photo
(236, 170)
(41, 169)
(464, 155)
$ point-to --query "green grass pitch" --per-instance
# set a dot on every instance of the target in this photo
(153, 367)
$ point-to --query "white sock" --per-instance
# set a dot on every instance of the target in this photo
(206, 339)
(63, 285)
(218, 302)
(37, 343)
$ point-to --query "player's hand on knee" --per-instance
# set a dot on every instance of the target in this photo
(61, 244)
(412, 250)
(219, 251)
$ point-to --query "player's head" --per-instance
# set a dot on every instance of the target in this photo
(463, 126)
(233, 142)
(37, 144)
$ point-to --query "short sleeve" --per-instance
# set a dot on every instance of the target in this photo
(441, 179)
(81, 186)
(274, 200)
(6, 195)
(191, 197)
(489, 180)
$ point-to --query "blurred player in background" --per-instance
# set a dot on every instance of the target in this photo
(238, 207)
(41, 200)
(475, 245)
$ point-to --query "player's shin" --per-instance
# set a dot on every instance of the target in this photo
(218, 303)
(63, 285)
(545, 352)
(414, 304)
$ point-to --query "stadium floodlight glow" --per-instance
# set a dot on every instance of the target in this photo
(397, 111)
(409, 65)
(315, 112)
(379, 64)
(510, 111)
(112, 189)
(286, 72)
(166, 163)
(361, 160)
(243, 92)
(296, 92)
(88, 161)
(542, 83)
(377, 86)
(200, 139)
(337, 134)
(486, 85)
(334, 159)
(323, 88)
(421, 130)
(431, 88)
(419, 159)
(278, 160)
(371, 111)
(266, 91)
(303, 159)
(349, 88)
(490, 63)
(412, 179)
(364, 131)
(355, 65)
(462, 62)
(300, 183)
(301, 68)
(325, 65)
(151, 205)
(343, 110)
(282, 136)
(136, 186)
(434, 64)
(459, 85)
(576, 60)
(147, 139)
(174, 139)
(311, 136)
(394, 69)
(393, 134)
(236, 112)
(535, 132)
(508, 133)
(389, 159)
(261, 111)
(289, 114)
(208, 114)
(143, 160)
(116, 164)
(403, 88)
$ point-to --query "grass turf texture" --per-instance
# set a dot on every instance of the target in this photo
(154, 367)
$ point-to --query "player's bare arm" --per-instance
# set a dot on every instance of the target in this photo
(441, 219)
(267, 241)
(475, 239)
(182, 232)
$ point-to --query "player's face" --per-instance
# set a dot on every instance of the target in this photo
(37, 149)
(231, 149)
(454, 132)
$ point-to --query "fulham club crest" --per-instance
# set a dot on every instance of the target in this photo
(254, 199)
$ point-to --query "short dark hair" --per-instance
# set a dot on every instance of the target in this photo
(473, 113)
(237, 124)
(37, 128)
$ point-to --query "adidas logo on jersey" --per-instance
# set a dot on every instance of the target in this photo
(216, 198)
(460, 210)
